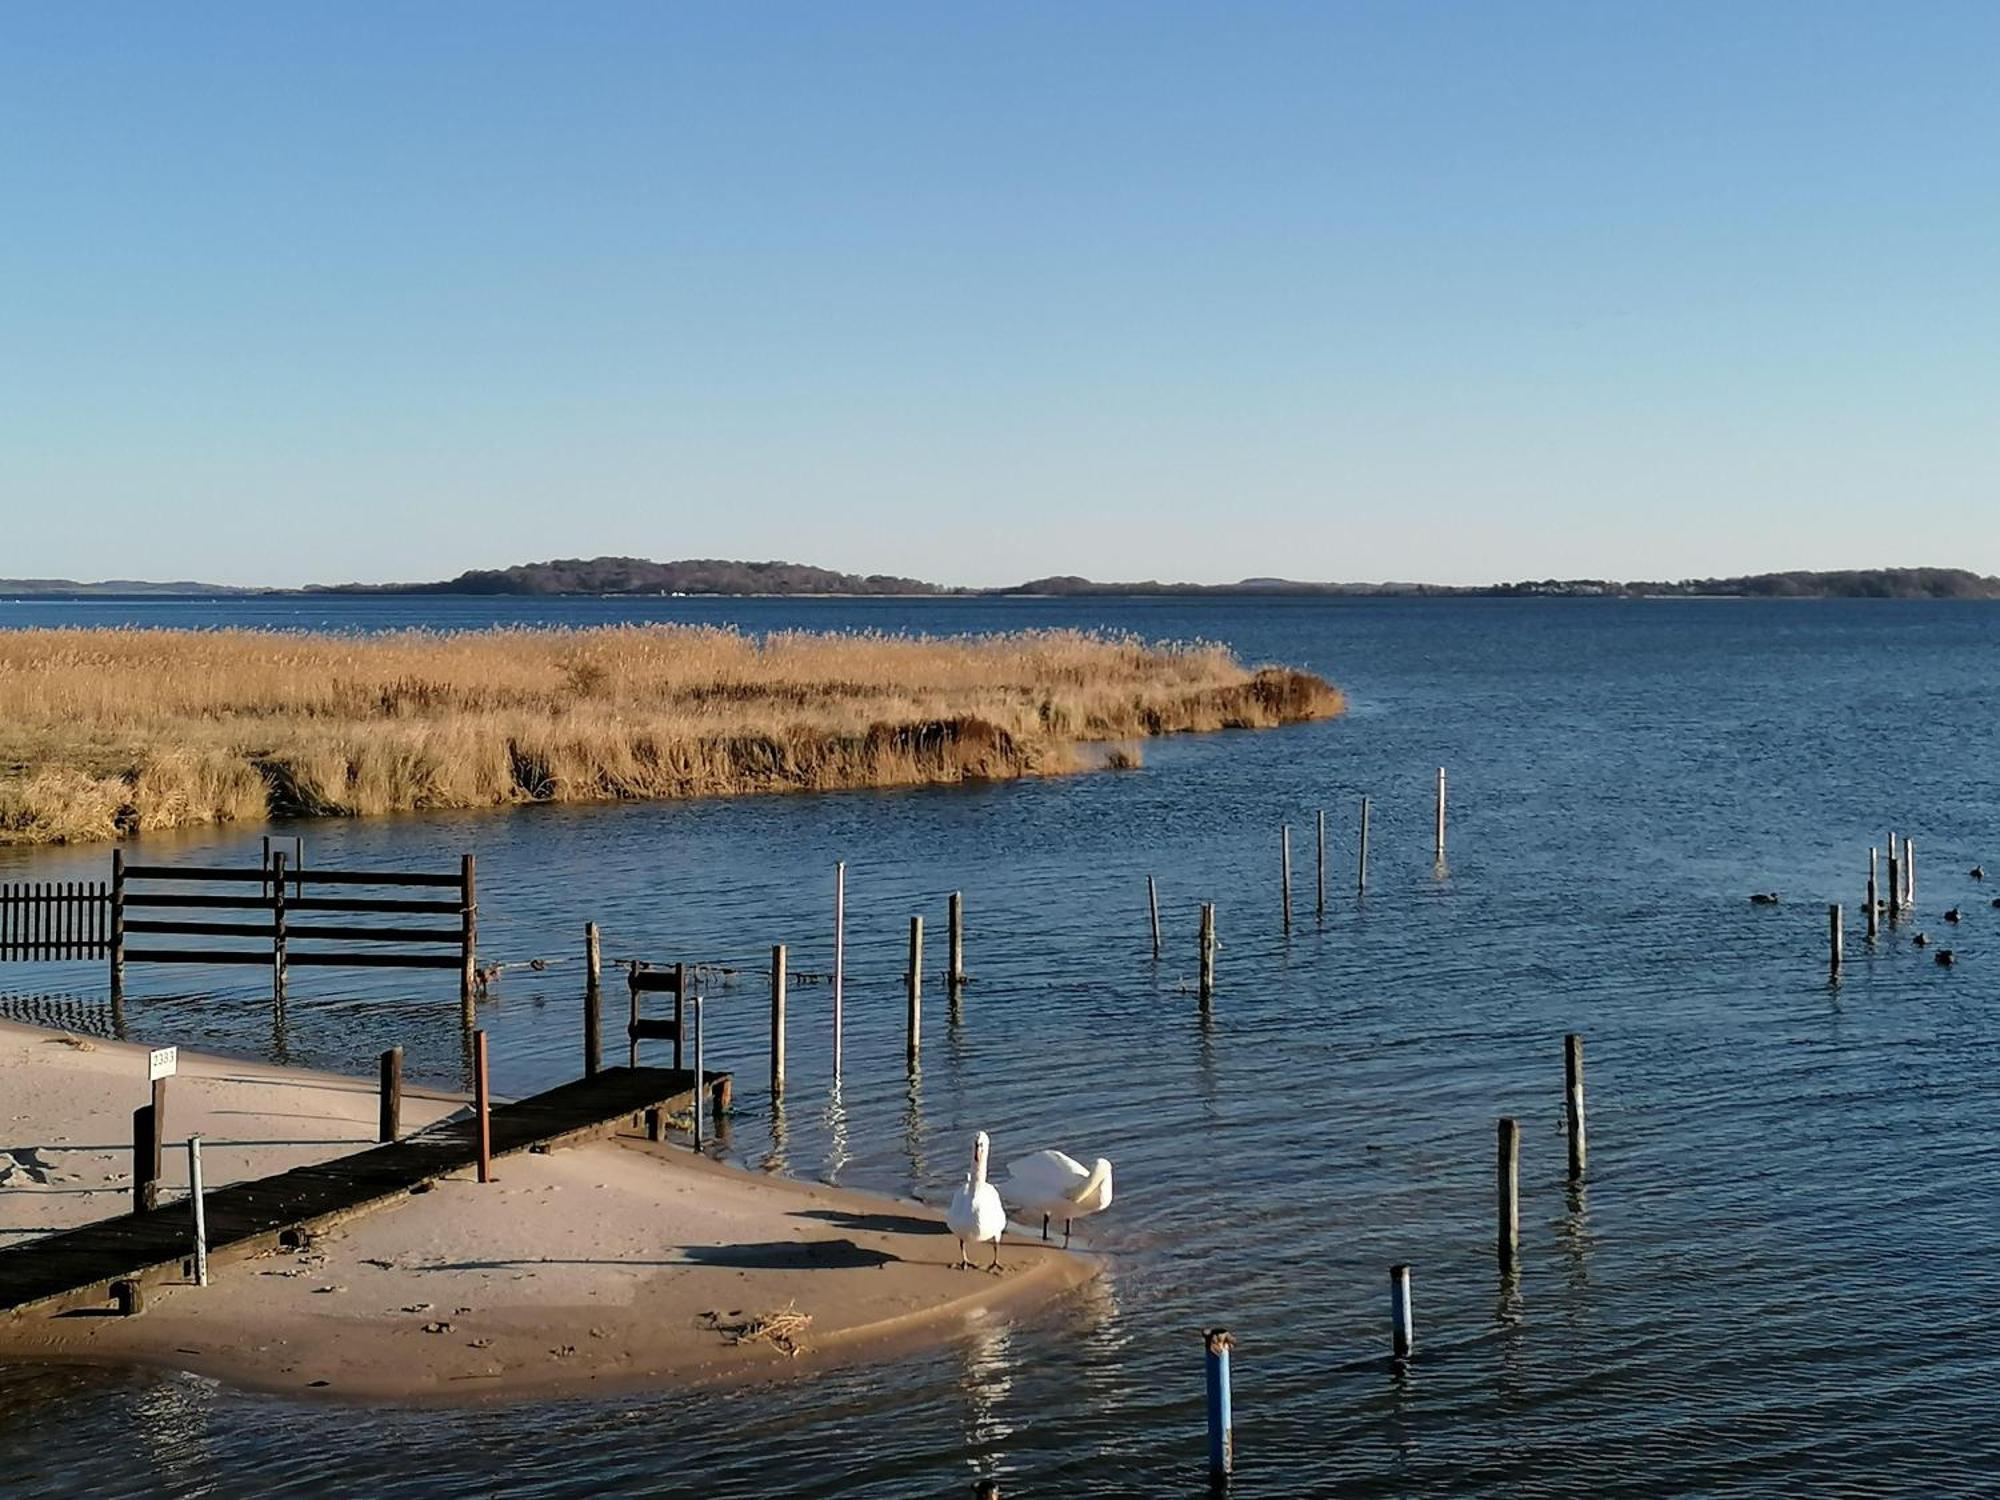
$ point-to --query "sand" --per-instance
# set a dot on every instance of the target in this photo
(604, 1266)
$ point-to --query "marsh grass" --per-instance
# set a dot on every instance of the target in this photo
(109, 732)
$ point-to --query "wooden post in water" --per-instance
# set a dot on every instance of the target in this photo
(955, 975)
(117, 926)
(389, 1117)
(680, 1013)
(1579, 1148)
(1833, 938)
(1221, 1420)
(482, 1103)
(916, 990)
(1319, 867)
(1361, 867)
(1909, 875)
(1402, 1330)
(145, 1160)
(593, 1001)
(777, 1020)
(700, 1072)
(278, 927)
(1440, 816)
(468, 934)
(1895, 878)
(1153, 905)
(195, 1197)
(839, 954)
(1874, 914)
(1509, 1237)
(1207, 981)
(1285, 861)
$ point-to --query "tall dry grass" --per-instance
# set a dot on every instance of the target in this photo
(107, 732)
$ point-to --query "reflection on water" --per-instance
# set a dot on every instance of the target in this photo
(837, 1155)
(988, 1382)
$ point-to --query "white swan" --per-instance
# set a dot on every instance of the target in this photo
(976, 1212)
(1051, 1183)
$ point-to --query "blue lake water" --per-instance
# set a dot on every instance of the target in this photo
(1783, 1275)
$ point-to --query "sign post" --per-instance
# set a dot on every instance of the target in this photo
(161, 1064)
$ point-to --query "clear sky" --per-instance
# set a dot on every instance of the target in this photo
(1392, 290)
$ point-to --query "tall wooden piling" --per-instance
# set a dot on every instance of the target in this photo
(278, 927)
(1895, 878)
(117, 927)
(1153, 905)
(916, 990)
(1207, 981)
(1909, 875)
(198, 1207)
(389, 1112)
(1833, 940)
(1285, 864)
(955, 971)
(468, 935)
(593, 1001)
(1509, 1183)
(700, 1072)
(1579, 1148)
(1874, 912)
(1440, 816)
(145, 1160)
(839, 954)
(1361, 864)
(1402, 1330)
(1319, 866)
(680, 1013)
(777, 1019)
(482, 1104)
(1221, 1420)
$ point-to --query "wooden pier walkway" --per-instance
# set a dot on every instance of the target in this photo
(76, 1267)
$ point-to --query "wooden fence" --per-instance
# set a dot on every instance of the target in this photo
(55, 919)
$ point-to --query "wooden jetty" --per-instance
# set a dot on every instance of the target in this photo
(77, 1267)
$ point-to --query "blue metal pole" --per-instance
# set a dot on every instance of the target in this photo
(1221, 1424)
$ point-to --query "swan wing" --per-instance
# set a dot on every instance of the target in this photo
(960, 1214)
(1044, 1177)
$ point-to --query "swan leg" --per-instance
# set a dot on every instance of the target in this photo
(1066, 1224)
(962, 1261)
(1045, 1226)
(996, 1257)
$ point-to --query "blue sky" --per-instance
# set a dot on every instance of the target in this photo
(1399, 290)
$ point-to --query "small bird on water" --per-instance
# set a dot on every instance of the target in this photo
(1946, 957)
(1952, 915)
(1922, 940)
(1979, 872)
(1764, 898)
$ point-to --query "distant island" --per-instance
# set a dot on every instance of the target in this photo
(618, 577)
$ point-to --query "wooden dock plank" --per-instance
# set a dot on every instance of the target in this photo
(76, 1267)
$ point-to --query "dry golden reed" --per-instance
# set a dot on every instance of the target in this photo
(109, 732)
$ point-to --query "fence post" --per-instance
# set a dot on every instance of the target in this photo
(468, 889)
(278, 927)
(593, 1002)
(482, 1102)
(1207, 981)
(117, 925)
(145, 1160)
(1221, 1420)
(916, 983)
(777, 1020)
(200, 1214)
(390, 1122)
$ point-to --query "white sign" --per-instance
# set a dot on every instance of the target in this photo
(161, 1063)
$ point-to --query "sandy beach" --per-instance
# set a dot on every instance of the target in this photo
(604, 1265)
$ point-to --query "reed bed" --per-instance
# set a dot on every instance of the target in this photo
(104, 733)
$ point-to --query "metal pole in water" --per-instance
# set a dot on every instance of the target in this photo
(1874, 916)
(1221, 1423)
(1895, 878)
(1509, 1183)
(200, 1217)
(1579, 1150)
(1833, 937)
(1402, 1332)
(1319, 869)
(777, 1019)
(1361, 867)
(1285, 858)
(1153, 904)
(839, 953)
(916, 979)
(1440, 816)
(1909, 874)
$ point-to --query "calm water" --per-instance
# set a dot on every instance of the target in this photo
(1783, 1276)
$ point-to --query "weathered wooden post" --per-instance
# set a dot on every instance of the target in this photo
(200, 1213)
(956, 973)
(593, 1001)
(1895, 878)
(1285, 863)
(1579, 1149)
(700, 1072)
(468, 934)
(777, 1019)
(1440, 816)
(1221, 1420)
(1319, 868)
(482, 1104)
(1909, 874)
(1361, 867)
(1833, 938)
(145, 1160)
(680, 1013)
(839, 954)
(916, 990)
(1874, 913)
(1402, 1331)
(1153, 905)
(1207, 981)
(278, 927)
(1509, 1237)
(389, 1124)
(117, 926)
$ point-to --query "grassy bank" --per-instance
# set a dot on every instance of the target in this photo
(108, 732)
